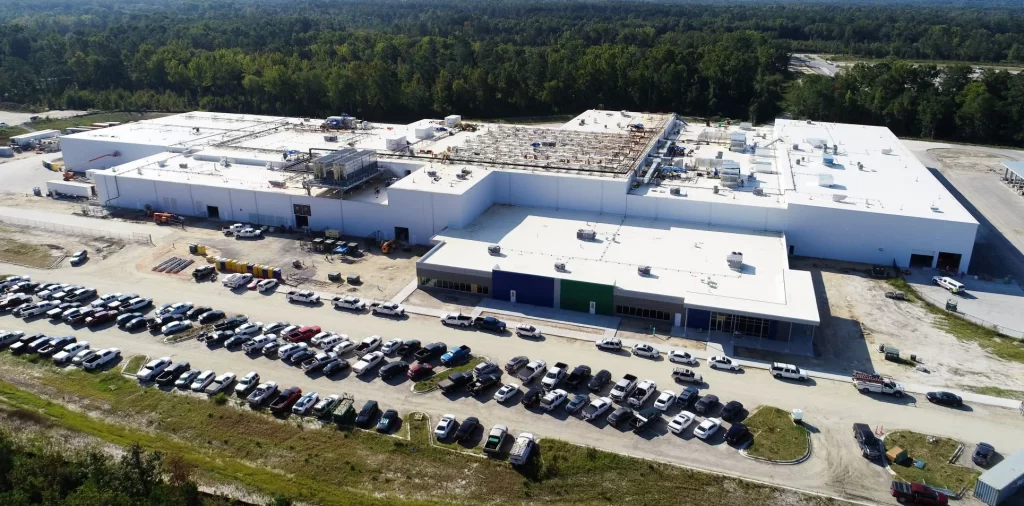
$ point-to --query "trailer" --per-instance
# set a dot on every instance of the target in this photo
(72, 188)
(1002, 481)
(33, 137)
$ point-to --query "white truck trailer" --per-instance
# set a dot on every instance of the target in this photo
(34, 137)
(72, 188)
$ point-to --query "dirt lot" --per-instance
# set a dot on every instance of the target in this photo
(856, 318)
(446, 300)
(27, 246)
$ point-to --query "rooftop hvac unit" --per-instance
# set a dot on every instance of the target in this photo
(839, 197)
(162, 163)
(494, 249)
(887, 151)
(432, 173)
(644, 270)
(759, 192)
(560, 266)
(825, 180)
(675, 191)
(330, 138)
(719, 155)
(735, 260)
(586, 234)
(467, 171)
(461, 175)
(183, 165)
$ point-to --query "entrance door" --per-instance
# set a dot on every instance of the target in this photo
(401, 234)
(593, 307)
(301, 221)
(213, 212)
(512, 296)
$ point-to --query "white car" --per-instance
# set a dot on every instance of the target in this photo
(707, 428)
(287, 330)
(305, 403)
(101, 359)
(390, 346)
(249, 329)
(646, 351)
(609, 343)
(153, 368)
(274, 327)
(8, 337)
(220, 383)
(665, 400)
(318, 339)
(204, 378)
(788, 371)
(506, 392)
(266, 285)
(596, 408)
(262, 392)
(248, 232)
(331, 340)
(444, 426)
(106, 299)
(367, 362)
(136, 303)
(175, 327)
(83, 356)
(40, 308)
(389, 309)
(236, 280)
(553, 398)
(285, 352)
(681, 357)
(257, 343)
(248, 382)
(723, 362)
(681, 422)
(303, 296)
(68, 354)
(348, 302)
(524, 330)
(457, 320)
(177, 308)
(344, 347)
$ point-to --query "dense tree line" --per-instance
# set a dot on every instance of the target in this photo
(406, 59)
(926, 101)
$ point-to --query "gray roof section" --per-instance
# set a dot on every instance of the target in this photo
(1005, 472)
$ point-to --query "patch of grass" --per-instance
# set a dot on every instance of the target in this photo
(89, 119)
(134, 364)
(937, 472)
(23, 253)
(776, 437)
(1002, 346)
(340, 467)
(439, 376)
(10, 131)
(220, 399)
(1005, 393)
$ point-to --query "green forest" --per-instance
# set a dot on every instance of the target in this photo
(391, 60)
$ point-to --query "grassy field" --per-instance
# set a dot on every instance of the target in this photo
(776, 437)
(936, 471)
(23, 253)
(325, 465)
(1005, 393)
(88, 119)
(10, 131)
(134, 364)
(438, 377)
(1004, 347)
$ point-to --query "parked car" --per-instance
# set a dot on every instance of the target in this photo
(707, 428)
(66, 355)
(530, 331)
(249, 329)
(101, 359)
(83, 356)
(532, 396)
(577, 403)
(430, 352)
(737, 433)
(171, 374)
(210, 316)
(220, 383)
(514, 364)
(681, 357)
(153, 368)
(620, 416)
(284, 402)
(684, 375)
(983, 454)
(457, 320)
(596, 408)
(367, 345)
(490, 324)
(56, 345)
(419, 370)
(723, 362)
(326, 406)
(665, 400)
(343, 347)
(870, 446)
(248, 382)
(348, 302)
(645, 350)
(124, 318)
(274, 327)
(731, 411)
(365, 415)
(266, 285)
(302, 297)
(706, 404)
(389, 309)
(194, 313)
(466, 428)
(456, 355)
(387, 421)
(202, 380)
(444, 426)
(138, 323)
(506, 392)
(305, 403)
(335, 366)
(944, 398)
(8, 338)
(390, 346)
(410, 346)
(230, 323)
(599, 380)
(187, 378)
(367, 362)
(787, 371)
(262, 392)
(609, 344)
(917, 493)
(176, 327)
(681, 421)
(392, 369)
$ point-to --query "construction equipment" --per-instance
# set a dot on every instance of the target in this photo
(166, 218)
(387, 246)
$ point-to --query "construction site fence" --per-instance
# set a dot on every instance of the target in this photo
(133, 237)
(941, 304)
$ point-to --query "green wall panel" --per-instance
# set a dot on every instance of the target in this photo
(577, 295)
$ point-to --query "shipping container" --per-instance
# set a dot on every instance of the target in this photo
(72, 188)
(1002, 481)
(28, 139)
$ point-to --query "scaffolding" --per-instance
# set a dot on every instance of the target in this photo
(555, 149)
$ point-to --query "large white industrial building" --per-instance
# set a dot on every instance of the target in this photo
(643, 215)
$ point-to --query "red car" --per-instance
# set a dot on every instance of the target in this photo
(419, 370)
(285, 401)
(302, 334)
(100, 318)
(916, 493)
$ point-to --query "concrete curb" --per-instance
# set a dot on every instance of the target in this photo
(126, 362)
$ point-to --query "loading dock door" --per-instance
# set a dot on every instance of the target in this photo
(523, 288)
(919, 260)
(949, 261)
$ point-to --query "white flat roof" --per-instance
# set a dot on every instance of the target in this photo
(687, 261)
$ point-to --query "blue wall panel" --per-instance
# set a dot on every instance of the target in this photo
(698, 318)
(530, 289)
(773, 329)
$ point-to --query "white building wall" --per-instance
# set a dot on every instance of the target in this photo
(365, 219)
(874, 238)
(477, 199)
(218, 197)
(78, 151)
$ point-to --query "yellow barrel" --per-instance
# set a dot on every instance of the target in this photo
(222, 264)
(258, 271)
(202, 249)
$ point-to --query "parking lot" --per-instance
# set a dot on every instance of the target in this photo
(830, 410)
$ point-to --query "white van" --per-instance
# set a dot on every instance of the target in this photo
(949, 284)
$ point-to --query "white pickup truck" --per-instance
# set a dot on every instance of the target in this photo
(642, 392)
(304, 296)
(876, 383)
(457, 320)
(248, 232)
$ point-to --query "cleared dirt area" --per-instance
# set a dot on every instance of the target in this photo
(856, 318)
(448, 301)
(34, 248)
